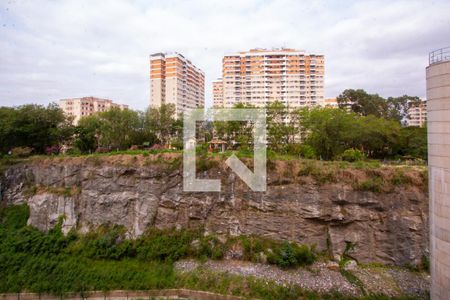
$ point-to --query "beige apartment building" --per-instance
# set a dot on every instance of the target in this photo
(175, 80)
(85, 106)
(417, 113)
(218, 92)
(261, 76)
(331, 103)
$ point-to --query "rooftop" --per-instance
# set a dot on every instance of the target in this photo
(438, 56)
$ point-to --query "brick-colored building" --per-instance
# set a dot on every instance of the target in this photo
(175, 80)
(261, 76)
(330, 102)
(417, 113)
(85, 106)
(218, 92)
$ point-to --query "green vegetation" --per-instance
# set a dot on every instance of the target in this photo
(366, 126)
(32, 126)
(352, 155)
(121, 129)
(291, 255)
(364, 104)
(372, 185)
(104, 259)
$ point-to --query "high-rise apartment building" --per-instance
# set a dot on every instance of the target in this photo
(175, 80)
(261, 76)
(417, 113)
(85, 106)
(218, 92)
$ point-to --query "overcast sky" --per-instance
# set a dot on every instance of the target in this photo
(58, 49)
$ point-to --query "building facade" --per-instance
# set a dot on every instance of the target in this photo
(417, 114)
(217, 86)
(175, 80)
(262, 76)
(86, 106)
(331, 103)
(438, 105)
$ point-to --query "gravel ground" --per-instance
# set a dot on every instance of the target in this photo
(376, 280)
(394, 281)
(319, 278)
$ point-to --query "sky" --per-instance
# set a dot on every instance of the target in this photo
(51, 50)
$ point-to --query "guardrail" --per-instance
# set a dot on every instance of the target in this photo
(439, 55)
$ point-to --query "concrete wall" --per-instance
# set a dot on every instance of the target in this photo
(438, 95)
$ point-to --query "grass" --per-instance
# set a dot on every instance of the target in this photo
(375, 185)
(104, 260)
(33, 190)
(80, 261)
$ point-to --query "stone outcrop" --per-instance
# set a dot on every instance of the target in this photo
(389, 228)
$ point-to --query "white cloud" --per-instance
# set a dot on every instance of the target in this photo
(59, 49)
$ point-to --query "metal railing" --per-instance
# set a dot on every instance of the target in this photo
(439, 55)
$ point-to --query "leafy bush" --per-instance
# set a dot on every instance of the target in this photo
(400, 178)
(164, 245)
(52, 150)
(291, 255)
(374, 185)
(322, 173)
(209, 247)
(352, 155)
(21, 151)
(14, 217)
(308, 152)
(253, 246)
(107, 242)
(104, 259)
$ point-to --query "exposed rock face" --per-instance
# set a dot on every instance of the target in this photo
(389, 228)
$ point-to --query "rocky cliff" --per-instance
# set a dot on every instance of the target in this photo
(388, 226)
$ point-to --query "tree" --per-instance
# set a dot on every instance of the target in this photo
(329, 131)
(119, 128)
(281, 125)
(235, 132)
(413, 142)
(161, 122)
(399, 106)
(362, 103)
(88, 133)
(332, 131)
(33, 126)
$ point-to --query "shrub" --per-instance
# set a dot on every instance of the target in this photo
(107, 242)
(52, 150)
(164, 245)
(291, 255)
(320, 172)
(210, 247)
(308, 152)
(374, 185)
(205, 163)
(400, 178)
(21, 151)
(74, 151)
(14, 217)
(352, 155)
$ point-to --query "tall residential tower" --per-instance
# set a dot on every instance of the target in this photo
(218, 93)
(175, 80)
(261, 76)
